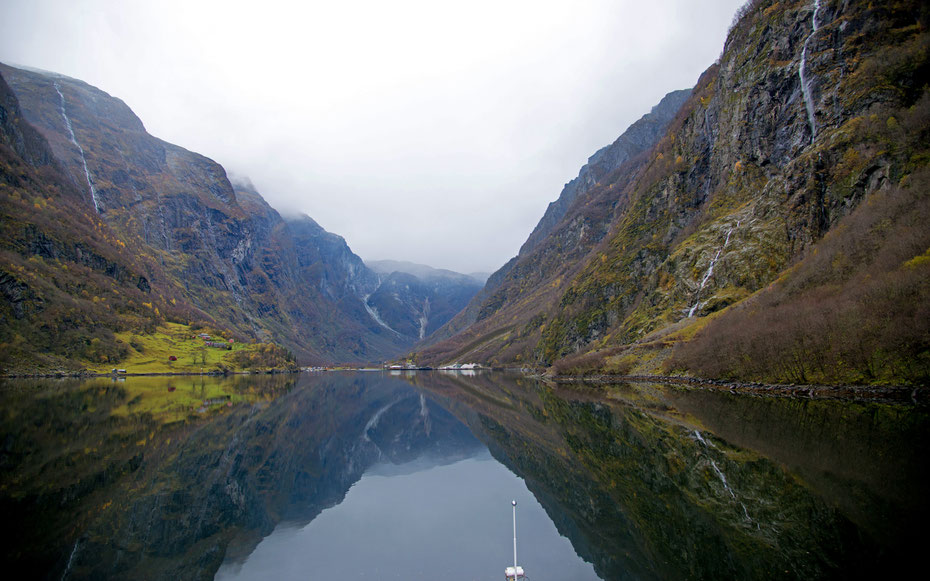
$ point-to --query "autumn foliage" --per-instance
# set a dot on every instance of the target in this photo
(856, 310)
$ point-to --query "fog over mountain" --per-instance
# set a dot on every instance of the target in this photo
(389, 123)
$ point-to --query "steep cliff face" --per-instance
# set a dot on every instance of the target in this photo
(16, 134)
(416, 306)
(639, 137)
(173, 234)
(312, 280)
(759, 163)
(66, 281)
(578, 219)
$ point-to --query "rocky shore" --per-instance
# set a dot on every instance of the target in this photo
(875, 393)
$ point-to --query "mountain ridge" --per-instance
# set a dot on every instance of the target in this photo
(788, 184)
(421, 271)
(638, 137)
(589, 210)
(200, 249)
(740, 189)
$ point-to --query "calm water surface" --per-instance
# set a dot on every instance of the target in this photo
(422, 521)
(371, 476)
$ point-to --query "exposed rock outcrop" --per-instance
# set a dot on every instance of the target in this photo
(173, 235)
(737, 190)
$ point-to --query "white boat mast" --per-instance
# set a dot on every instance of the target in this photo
(515, 571)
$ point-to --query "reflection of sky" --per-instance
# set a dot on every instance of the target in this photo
(441, 522)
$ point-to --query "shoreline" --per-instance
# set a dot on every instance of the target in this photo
(91, 375)
(910, 395)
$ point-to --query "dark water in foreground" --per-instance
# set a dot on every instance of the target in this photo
(371, 476)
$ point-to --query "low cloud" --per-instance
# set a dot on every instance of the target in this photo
(423, 131)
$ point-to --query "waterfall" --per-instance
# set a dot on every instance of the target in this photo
(424, 319)
(805, 81)
(710, 269)
(61, 107)
(374, 315)
(708, 135)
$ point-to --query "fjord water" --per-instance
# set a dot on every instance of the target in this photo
(418, 521)
(369, 475)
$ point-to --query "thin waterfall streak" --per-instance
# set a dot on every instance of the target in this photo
(70, 560)
(726, 486)
(802, 74)
(723, 478)
(373, 313)
(424, 319)
(700, 438)
(710, 269)
(64, 115)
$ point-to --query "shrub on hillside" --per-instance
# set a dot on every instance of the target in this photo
(856, 310)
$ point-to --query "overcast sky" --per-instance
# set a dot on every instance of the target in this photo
(429, 131)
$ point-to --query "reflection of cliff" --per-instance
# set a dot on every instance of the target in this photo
(868, 460)
(60, 448)
(197, 489)
(648, 482)
(645, 490)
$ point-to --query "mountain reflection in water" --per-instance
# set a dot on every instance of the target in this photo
(645, 481)
(447, 521)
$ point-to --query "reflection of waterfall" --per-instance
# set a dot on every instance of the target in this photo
(424, 414)
(805, 81)
(699, 438)
(710, 270)
(373, 421)
(61, 107)
(722, 477)
(70, 560)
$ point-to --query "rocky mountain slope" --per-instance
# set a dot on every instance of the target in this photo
(576, 220)
(108, 229)
(639, 137)
(789, 189)
(415, 300)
